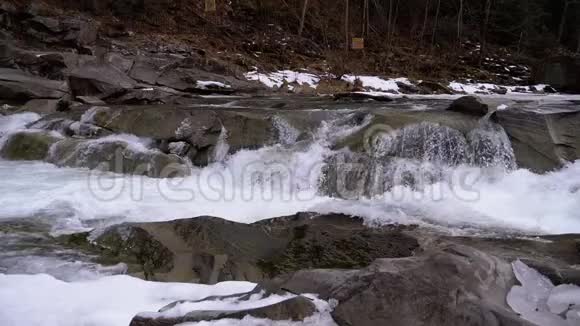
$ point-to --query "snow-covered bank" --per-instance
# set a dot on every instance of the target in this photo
(41, 300)
(278, 78)
(389, 85)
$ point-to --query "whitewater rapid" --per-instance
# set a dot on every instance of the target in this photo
(280, 180)
(60, 287)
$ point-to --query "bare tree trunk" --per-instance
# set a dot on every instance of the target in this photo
(578, 40)
(364, 29)
(346, 28)
(303, 17)
(394, 22)
(368, 11)
(434, 36)
(389, 22)
(520, 42)
(460, 22)
(484, 30)
(563, 21)
(424, 29)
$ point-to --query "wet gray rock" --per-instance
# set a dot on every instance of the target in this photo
(148, 69)
(542, 141)
(192, 80)
(28, 145)
(431, 87)
(453, 285)
(210, 250)
(90, 100)
(41, 106)
(470, 105)
(200, 128)
(117, 156)
(294, 309)
(99, 80)
(36, 23)
(18, 85)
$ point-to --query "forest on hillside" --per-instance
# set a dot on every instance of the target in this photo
(535, 27)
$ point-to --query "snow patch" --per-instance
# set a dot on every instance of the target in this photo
(277, 79)
(487, 88)
(42, 300)
(211, 84)
(378, 84)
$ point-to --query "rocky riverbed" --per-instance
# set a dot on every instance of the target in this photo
(310, 210)
(160, 186)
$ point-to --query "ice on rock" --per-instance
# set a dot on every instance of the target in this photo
(563, 297)
(573, 317)
(537, 300)
(519, 300)
(537, 285)
(545, 319)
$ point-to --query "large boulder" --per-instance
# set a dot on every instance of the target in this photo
(50, 65)
(293, 309)
(41, 106)
(454, 285)
(28, 145)
(470, 105)
(18, 85)
(148, 69)
(542, 141)
(100, 80)
(117, 155)
(200, 128)
(210, 250)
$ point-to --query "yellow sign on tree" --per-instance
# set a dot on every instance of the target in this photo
(358, 43)
(210, 5)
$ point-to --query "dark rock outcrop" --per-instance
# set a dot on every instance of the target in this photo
(18, 85)
(41, 106)
(542, 141)
(117, 156)
(454, 285)
(210, 250)
(200, 128)
(470, 105)
(38, 25)
(431, 87)
(99, 80)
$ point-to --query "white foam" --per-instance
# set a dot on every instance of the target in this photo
(482, 199)
(17, 121)
(134, 143)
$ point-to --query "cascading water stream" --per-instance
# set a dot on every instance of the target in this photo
(424, 173)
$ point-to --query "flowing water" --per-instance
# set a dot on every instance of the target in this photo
(457, 184)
